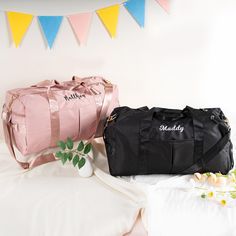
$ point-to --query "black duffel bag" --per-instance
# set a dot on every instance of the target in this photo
(167, 141)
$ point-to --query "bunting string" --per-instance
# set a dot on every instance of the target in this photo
(19, 23)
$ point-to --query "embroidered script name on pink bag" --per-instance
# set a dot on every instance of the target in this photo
(74, 96)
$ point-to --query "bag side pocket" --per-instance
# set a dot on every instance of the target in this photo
(159, 156)
(182, 154)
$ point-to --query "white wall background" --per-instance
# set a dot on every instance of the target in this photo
(185, 58)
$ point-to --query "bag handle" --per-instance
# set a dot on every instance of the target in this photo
(53, 103)
(175, 114)
(47, 84)
(197, 131)
(171, 113)
(104, 81)
(108, 91)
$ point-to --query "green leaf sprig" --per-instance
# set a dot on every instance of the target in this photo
(75, 155)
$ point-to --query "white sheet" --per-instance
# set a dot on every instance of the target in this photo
(174, 208)
(36, 205)
(52, 200)
(177, 209)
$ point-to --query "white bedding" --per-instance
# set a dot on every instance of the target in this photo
(36, 203)
(175, 208)
(52, 200)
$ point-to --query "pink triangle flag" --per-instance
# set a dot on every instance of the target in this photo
(80, 23)
(164, 4)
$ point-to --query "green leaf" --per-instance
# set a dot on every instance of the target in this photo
(218, 174)
(87, 148)
(59, 154)
(64, 158)
(61, 145)
(70, 156)
(208, 174)
(75, 160)
(80, 146)
(233, 195)
(233, 171)
(69, 143)
(81, 162)
(203, 195)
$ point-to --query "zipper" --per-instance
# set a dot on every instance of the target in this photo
(224, 121)
(109, 120)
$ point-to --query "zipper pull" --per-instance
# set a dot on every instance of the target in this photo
(110, 119)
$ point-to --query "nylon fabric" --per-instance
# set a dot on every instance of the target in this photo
(168, 141)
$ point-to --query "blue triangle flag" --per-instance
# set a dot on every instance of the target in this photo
(50, 26)
(137, 9)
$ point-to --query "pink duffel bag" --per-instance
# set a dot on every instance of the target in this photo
(35, 118)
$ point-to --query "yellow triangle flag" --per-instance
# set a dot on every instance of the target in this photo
(109, 17)
(19, 23)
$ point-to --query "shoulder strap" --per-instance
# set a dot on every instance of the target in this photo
(7, 129)
(9, 139)
(208, 156)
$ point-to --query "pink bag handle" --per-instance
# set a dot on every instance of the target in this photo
(77, 79)
(53, 105)
(101, 113)
(92, 92)
(104, 81)
(46, 84)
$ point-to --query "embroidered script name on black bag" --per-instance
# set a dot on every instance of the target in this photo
(172, 128)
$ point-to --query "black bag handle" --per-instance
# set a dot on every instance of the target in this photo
(194, 114)
(175, 113)
(197, 131)
(167, 114)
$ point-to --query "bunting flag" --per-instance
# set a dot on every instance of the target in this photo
(80, 23)
(109, 17)
(137, 9)
(19, 23)
(164, 4)
(50, 26)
